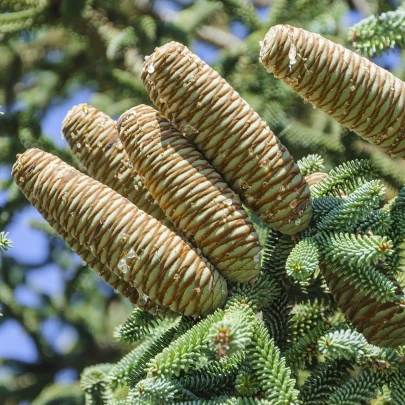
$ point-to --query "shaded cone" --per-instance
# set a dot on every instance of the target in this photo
(354, 91)
(130, 242)
(230, 135)
(94, 140)
(382, 324)
(191, 193)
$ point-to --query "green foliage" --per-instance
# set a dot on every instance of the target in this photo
(379, 33)
(303, 260)
(94, 384)
(345, 179)
(358, 389)
(270, 368)
(136, 326)
(311, 164)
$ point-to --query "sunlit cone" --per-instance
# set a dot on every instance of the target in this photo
(116, 281)
(191, 193)
(130, 242)
(93, 138)
(382, 324)
(230, 135)
(356, 92)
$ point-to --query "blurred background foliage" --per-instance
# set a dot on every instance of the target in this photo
(58, 317)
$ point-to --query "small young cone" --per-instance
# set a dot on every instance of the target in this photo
(94, 140)
(116, 281)
(191, 193)
(354, 91)
(230, 135)
(382, 324)
(130, 242)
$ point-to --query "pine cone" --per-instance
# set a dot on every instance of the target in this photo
(117, 282)
(191, 193)
(382, 324)
(230, 135)
(354, 91)
(93, 138)
(134, 245)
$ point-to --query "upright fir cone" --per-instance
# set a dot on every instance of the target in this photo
(230, 135)
(191, 193)
(117, 282)
(130, 242)
(94, 140)
(381, 323)
(354, 91)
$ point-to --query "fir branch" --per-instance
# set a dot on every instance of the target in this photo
(93, 382)
(377, 222)
(5, 243)
(345, 178)
(396, 384)
(358, 389)
(306, 317)
(270, 368)
(232, 334)
(160, 391)
(302, 262)
(323, 381)
(187, 352)
(137, 326)
(311, 164)
(154, 347)
(276, 251)
(370, 281)
(261, 293)
(325, 204)
(354, 209)
(343, 344)
(213, 378)
(131, 362)
(277, 318)
(243, 11)
(359, 251)
(378, 33)
(304, 350)
(247, 384)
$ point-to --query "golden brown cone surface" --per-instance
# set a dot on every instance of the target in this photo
(356, 92)
(117, 282)
(382, 324)
(161, 265)
(191, 193)
(94, 140)
(230, 135)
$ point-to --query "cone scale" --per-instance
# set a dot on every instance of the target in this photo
(354, 91)
(230, 135)
(93, 138)
(191, 193)
(162, 265)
